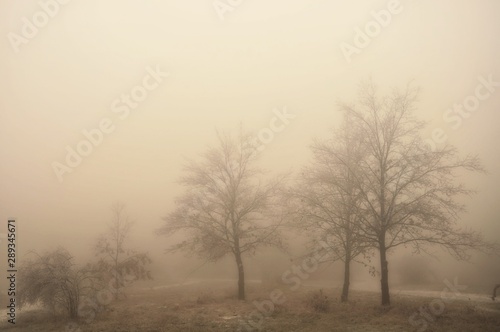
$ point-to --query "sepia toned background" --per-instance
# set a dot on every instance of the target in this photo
(224, 71)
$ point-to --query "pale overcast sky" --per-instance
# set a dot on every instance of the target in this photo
(64, 76)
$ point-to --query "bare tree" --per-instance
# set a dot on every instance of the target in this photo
(408, 192)
(227, 208)
(116, 260)
(326, 199)
(54, 281)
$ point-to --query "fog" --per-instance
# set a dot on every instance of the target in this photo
(213, 74)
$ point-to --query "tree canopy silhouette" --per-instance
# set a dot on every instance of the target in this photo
(228, 207)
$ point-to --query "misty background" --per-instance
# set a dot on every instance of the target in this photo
(223, 73)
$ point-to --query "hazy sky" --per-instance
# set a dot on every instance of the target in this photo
(264, 55)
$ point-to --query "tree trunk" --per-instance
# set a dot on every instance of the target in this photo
(345, 289)
(241, 277)
(495, 292)
(384, 271)
(72, 305)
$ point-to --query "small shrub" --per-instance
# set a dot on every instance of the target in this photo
(55, 282)
(279, 309)
(319, 302)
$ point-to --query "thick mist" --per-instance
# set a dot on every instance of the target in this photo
(141, 87)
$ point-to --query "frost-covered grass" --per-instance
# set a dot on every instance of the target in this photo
(211, 306)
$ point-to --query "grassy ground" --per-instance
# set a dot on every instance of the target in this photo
(212, 307)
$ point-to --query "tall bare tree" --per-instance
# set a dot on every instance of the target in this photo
(228, 208)
(117, 260)
(326, 199)
(408, 192)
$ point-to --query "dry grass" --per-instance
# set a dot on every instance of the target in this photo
(212, 307)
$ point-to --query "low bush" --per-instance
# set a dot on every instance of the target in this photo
(319, 302)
